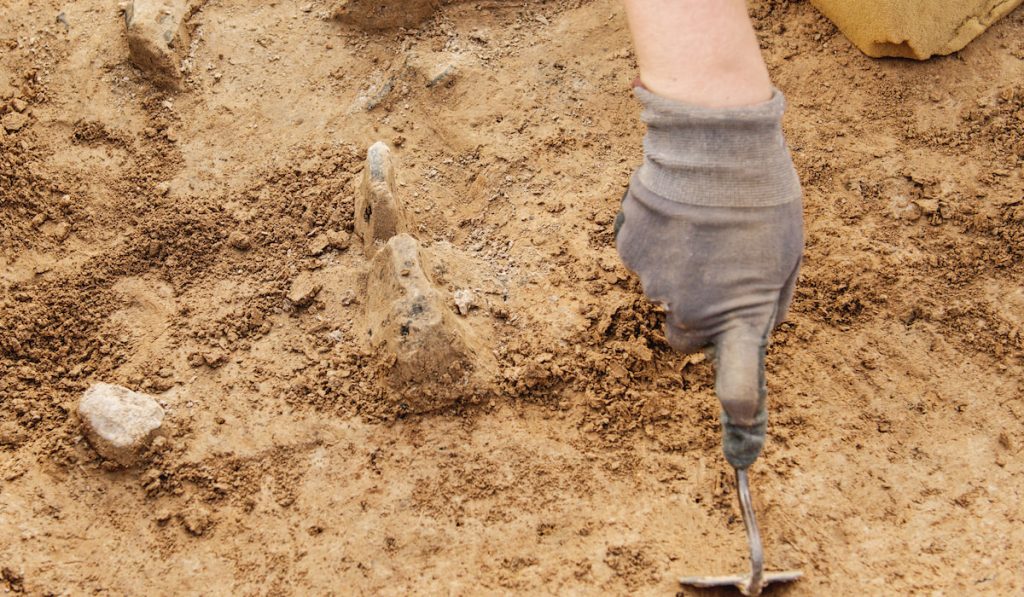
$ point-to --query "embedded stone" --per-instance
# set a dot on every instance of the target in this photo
(378, 214)
(119, 423)
(158, 39)
(423, 347)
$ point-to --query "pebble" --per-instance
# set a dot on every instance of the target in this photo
(336, 240)
(196, 520)
(61, 231)
(119, 423)
(239, 241)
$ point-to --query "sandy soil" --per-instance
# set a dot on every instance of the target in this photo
(589, 463)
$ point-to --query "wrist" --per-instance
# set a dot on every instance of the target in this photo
(729, 157)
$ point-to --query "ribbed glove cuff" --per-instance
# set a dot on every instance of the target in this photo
(724, 157)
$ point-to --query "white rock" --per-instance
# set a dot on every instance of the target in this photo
(118, 422)
(464, 301)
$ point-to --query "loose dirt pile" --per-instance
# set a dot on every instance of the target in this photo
(195, 246)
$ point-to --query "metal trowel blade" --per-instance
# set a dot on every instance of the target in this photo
(740, 581)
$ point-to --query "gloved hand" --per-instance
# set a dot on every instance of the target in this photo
(712, 225)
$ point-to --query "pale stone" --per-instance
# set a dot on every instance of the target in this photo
(119, 423)
(465, 300)
(915, 29)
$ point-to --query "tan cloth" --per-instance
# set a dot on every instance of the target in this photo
(913, 28)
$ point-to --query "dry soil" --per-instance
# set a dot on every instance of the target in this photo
(150, 239)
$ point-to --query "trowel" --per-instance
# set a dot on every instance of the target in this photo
(753, 583)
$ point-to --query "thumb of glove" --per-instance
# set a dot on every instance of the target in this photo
(738, 355)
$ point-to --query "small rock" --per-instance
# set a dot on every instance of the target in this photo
(336, 240)
(444, 74)
(14, 121)
(339, 240)
(319, 244)
(378, 215)
(19, 105)
(119, 423)
(158, 39)
(163, 516)
(162, 188)
(464, 301)
(304, 289)
(239, 241)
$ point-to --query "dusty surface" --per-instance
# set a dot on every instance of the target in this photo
(152, 240)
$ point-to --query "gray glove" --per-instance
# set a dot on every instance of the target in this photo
(712, 225)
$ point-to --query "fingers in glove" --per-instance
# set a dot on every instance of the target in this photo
(739, 373)
(786, 296)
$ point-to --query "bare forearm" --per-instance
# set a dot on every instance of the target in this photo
(702, 52)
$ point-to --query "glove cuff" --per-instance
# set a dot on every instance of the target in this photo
(725, 157)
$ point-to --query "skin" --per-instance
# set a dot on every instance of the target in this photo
(700, 52)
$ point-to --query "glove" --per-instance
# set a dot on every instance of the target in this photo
(712, 225)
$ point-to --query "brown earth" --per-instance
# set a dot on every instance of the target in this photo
(151, 239)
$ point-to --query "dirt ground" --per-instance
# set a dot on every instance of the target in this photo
(589, 463)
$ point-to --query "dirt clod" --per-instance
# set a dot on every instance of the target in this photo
(14, 121)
